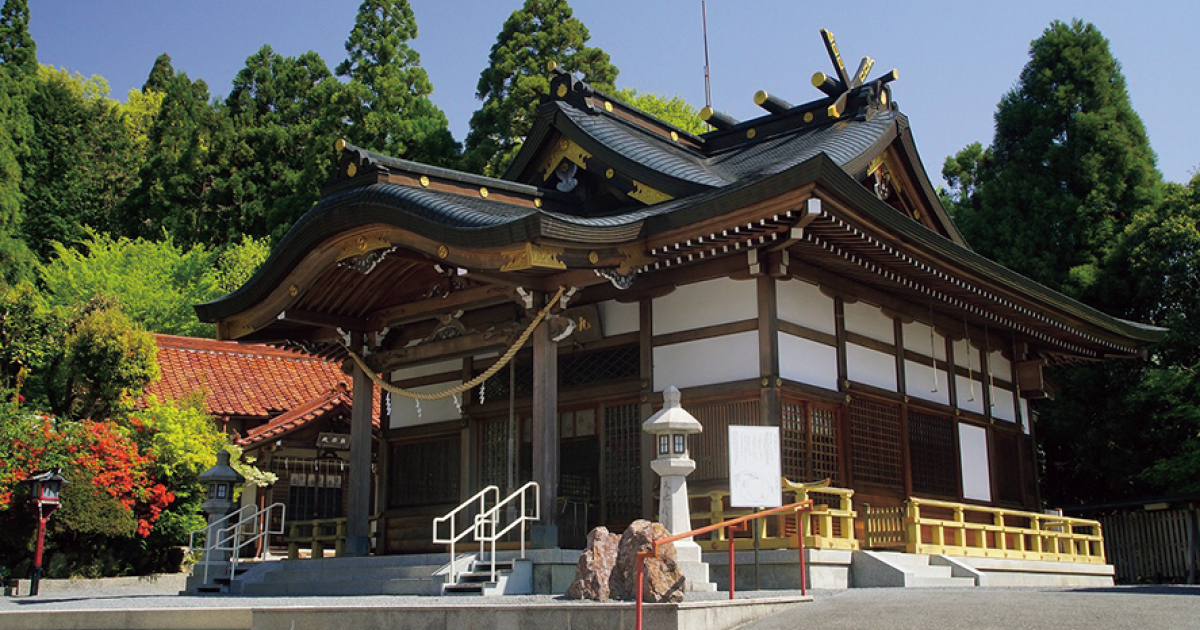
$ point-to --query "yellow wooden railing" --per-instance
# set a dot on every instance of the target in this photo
(319, 535)
(956, 529)
(825, 527)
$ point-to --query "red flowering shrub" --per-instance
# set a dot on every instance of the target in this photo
(101, 454)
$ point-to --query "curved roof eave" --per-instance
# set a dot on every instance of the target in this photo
(926, 240)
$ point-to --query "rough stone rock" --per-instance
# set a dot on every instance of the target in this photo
(662, 580)
(595, 566)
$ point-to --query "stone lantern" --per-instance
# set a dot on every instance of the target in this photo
(671, 427)
(44, 490)
(221, 481)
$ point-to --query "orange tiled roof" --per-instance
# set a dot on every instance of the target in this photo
(287, 422)
(244, 380)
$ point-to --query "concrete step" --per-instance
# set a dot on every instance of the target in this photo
(411, 586)
(372, 574)
(923, 581)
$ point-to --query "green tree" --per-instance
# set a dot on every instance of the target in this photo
(138, 112)
(30, 339)
(387, 96)
(516, 78)
(1067, 169)
(674, 110)
(81, 161)
(18, 70)
(281, 148)
(154, 282)
(160, 74)
(178, 170)
(18, 51)
(109, 362)
(238, 262)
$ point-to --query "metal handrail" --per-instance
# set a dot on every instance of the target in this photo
(492, 518)
(452, 517)
(206, 528)
(230, 538)
(799, 506)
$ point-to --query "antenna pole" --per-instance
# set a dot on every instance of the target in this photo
(707, 85)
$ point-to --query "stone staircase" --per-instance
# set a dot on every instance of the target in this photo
(908, 570)
(513, 577)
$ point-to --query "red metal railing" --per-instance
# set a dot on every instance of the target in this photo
(739, 523)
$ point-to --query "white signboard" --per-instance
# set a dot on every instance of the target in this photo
(754, 467)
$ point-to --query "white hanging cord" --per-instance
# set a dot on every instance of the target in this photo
(457, 404)
(970, 373)
(932, 349)
(418, 403)
(987, 346)
(483, 392)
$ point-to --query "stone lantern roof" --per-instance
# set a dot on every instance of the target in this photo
(672, 418)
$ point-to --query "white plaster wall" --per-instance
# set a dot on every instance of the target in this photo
(803, 304)
(964, 390)
(869, 321)
(807, 361)
(960, 354)
(709, 303)
(999, 366)
(617, 318)
(706, 361)
(453, 365)
(404, 410)
(976, 473)
(1002, 404)
(870, 367)
(919, 380)
(916, 338)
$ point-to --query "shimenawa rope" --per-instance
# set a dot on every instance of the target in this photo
(458, 389)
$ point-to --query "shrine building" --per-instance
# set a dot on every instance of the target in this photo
(793, 270)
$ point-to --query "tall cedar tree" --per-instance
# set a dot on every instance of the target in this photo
(1068, 167)
(387, 96)
(281, 148)
(18, 71)
(517, 77)
(178, 171)
(160, 74)
(81, 162)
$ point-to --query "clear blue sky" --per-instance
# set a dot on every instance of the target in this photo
(956, 59)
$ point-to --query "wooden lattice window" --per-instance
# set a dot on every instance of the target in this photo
(810, 442)
(622, 486)
(1007, 459)
(493, 453)
(710, 449)
(577, 370)
(424, 472)
(875, 445)
(934, 458)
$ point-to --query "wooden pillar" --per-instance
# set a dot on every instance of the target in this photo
(545, 434)
(358, 509)
(770, 403)
(646, 343)
(902, 387)
(839, 322)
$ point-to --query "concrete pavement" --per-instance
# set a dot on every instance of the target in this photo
(1154, 606)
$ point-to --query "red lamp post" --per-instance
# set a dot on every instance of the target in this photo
(43, 501)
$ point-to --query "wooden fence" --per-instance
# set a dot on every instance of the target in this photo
(1152, 546)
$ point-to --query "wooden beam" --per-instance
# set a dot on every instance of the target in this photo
(455, 348)
(314, 318)
(770, 402)
(476, 297)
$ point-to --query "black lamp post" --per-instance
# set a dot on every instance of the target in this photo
(43, 501)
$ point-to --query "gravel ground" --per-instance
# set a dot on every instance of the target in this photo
(860, 609)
